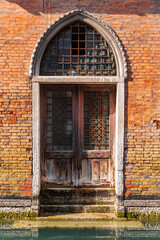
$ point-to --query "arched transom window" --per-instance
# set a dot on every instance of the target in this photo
(78, 50)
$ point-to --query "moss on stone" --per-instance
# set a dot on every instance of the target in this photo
(120, 214)
(98, 210)
(17, 215)
(131, 215)
(144, 216)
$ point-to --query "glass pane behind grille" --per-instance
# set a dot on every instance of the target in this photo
(78, 50)
(59, 120)
(96, 120)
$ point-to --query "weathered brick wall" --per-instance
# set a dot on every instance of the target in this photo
(137, 24)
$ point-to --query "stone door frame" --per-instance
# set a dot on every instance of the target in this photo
(119, 80)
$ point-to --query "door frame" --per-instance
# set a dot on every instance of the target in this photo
(118, 145)
(119, 80)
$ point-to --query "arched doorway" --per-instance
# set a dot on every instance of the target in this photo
(78, 70)
(78, 120)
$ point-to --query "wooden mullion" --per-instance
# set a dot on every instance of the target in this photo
(63, 56)
(71, 50)
(89, 120)
(59, 154)
(102, 119)
(86, 50)
(112, 100)
(52, 119)
(80, 133)
(65, 119)
(78, 48)
(74, 137)
(93, 54)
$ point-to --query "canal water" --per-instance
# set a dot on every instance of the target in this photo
(144, 233)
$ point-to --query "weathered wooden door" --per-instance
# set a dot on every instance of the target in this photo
(77, 134)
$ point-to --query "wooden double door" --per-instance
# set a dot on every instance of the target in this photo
(77, 132)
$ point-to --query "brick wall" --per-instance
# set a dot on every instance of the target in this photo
(137, 24)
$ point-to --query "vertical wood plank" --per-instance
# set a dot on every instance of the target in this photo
(59, 171)
(95, 171)
(84, 170)
(103, 170)
(50, 170)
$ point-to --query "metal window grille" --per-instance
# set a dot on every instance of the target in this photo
(78, 50)
(96, 120)
(59, 120)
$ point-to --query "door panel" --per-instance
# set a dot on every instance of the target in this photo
(95, 135)
(59, 170)
(95, 171)
(58, 129)
(77, 134)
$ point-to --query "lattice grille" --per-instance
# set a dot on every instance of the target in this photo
(96, 120)
(78, 50)
(59, 120)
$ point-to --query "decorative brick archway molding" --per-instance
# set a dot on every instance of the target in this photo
(111, 37)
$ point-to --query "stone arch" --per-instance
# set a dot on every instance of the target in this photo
(102, 27)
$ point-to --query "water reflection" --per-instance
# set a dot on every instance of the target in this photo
(79, 234)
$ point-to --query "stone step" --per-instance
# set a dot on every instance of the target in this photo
(77, 196)
(78, 217)
(52, 209)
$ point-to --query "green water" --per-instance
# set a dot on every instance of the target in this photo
(79, 234)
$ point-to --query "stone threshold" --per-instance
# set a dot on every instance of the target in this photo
(78, 220)
(78, 216)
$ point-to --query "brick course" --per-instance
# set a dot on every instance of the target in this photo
(137, 24)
